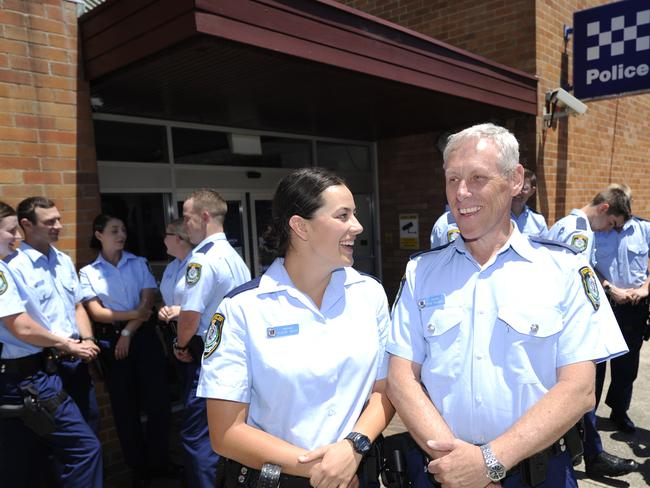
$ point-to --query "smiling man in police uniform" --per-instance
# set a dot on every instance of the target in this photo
(501, 329)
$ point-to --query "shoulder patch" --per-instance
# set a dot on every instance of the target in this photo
(549, 243)
(213, 336)
(3, 283)
(205, 248)
(581, 223)
(249, 285)
(192, 274)
(580, 242)
(590, 285)
(453, 234)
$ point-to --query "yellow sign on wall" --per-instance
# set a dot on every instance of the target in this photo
(409, 231)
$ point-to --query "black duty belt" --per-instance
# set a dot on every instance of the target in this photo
(237, 474)
(24, 367)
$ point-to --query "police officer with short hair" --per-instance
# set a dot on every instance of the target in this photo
(52, 276)
(528, 221)
(608, 210)
(33, 404)
(213, 269)
(622, 263)
(494, 337)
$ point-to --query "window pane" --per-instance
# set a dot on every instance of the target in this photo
(213, 148)
(120, 141)
(343, 157)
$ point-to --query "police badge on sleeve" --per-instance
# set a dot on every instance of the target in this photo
(213, 337)
(590, 285)
(3, 283)
(192, 274)
(580, 241)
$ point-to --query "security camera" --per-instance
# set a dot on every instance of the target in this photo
(560, 103)
(565, 99)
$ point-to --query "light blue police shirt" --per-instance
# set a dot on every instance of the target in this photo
(575, 230)
(445, 230)
(622, 257)
(53, 280)
(490, 338)
(12, 302)
(306, 372)
(530, 222)
(213, 269)
(119, 287)
(172, 284)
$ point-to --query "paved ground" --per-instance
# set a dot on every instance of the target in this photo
(636, 446)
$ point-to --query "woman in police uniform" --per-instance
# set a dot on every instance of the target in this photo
(118, 289)
(22, 376)
(294, 365)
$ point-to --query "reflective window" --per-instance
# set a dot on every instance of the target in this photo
(214, 148)
(122, 141)
(343, 157)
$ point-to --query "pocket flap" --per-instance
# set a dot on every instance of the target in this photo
(536, 322)
(442, 320)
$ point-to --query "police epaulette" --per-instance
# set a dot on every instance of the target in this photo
(534, 211)
(450, 218)
(420, 253)
(205, 248)
(548, 242)
(639, 218)
(249, 285)
(370, 276)
(7, 259)
(581, 223)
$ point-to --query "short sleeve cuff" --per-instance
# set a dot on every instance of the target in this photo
(404, 352)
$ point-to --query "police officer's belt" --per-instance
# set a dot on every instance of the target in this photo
(20, 368)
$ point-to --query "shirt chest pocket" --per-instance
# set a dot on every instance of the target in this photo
(638, 256)
(42, 291)
(444, 337)
(530, 340)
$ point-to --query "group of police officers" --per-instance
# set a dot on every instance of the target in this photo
(495, 331)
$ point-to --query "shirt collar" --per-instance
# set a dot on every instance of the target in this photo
(517, 241)
(219, 236)
(34, 254)
(126, 256)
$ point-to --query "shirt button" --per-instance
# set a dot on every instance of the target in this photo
(330, 412)
(534, 328)
(479, 356)
(431, 328)
(478, 399)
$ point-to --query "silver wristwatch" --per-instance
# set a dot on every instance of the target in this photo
(495, 470)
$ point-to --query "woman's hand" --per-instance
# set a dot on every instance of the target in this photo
(337, 467)
(122, 347)
(169, 313)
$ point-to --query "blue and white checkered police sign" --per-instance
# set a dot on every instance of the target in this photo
(611, 49)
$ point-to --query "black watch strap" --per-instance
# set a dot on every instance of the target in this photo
(269, 476)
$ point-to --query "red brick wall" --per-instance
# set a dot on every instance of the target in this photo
(42, 124)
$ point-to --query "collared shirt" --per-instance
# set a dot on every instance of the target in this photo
(530, 222)
(213, 269)
(52, 279)
(622, 257)
(445, 230)
(172, 284)
(118, 287)
(306, 372)
(490, 338)
(13, 300)
(575, 230)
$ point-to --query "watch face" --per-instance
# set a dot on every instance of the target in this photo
(497, 473)
(362, 444)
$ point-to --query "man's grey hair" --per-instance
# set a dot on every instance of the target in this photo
(502, 139)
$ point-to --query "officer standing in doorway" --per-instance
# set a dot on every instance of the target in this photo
(494, 337)
(622, 263)
(52, 276)
(214, 268)
(608, 210)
